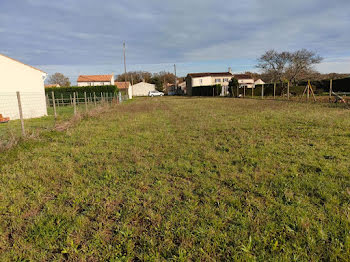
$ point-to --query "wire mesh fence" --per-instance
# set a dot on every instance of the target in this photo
(317, 91)
(27, 114)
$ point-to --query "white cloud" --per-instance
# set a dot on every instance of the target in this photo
(157, 32)
(339, 65)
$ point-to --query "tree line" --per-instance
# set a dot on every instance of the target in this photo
(161, 79)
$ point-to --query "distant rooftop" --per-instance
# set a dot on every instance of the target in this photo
(210, 74)
(242, 76)
(122, 85)
(94, 78)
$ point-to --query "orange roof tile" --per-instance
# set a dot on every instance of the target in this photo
(122, 85)
(53, 85)
(95, 78)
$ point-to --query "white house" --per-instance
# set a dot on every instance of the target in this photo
(29, 81)
(208, 79)
(96, 80)
(259, 82)
(245, 81)
(142, 89)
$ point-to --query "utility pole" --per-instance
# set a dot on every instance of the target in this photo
(175, 78)
(124, 62)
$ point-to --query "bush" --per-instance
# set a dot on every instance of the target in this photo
(214, 90)
(68, 91)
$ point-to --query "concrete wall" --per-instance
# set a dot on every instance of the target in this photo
(142, 89)
(15, 76)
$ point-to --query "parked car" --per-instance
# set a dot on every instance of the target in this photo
(155, 93)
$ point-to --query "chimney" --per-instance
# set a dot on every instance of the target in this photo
(230, 70)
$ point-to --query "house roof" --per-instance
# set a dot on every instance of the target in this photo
(242, 76)
(210, 74)
(23, 63)
(94, 78)
(122, 85)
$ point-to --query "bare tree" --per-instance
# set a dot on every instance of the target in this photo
(301, 64)
(274, 64)
(288, 66)
(59, 79)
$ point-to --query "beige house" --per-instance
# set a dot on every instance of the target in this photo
(208, 79)
(142, 89)
(259, 82)
(245, 81)
(96, 80)
(29, 81)
(126, 87)
(171, 90)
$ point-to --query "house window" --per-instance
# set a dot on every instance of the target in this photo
(217, 80)
(225, 79)
(201, 81)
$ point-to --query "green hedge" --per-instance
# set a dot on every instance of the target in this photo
(68, 91)
(214, 90)
(339, 85)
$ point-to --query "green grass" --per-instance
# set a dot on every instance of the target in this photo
(12, 132)
(182, 179)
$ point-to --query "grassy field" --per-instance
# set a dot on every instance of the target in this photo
(182, 179)
(11, 132)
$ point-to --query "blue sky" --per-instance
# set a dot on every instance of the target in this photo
(85, 37)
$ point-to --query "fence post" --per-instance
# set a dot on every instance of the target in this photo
(101, 97)
(77, 98)
(253, 91)
(244, 92)
(74, 104)
(70, 99)
(274, 90)
(47, 101)
(262, 91)
(90, 101)
(120, 98)
(86, 107)
(288, 91)
(20, 112)
(95, 98)
(237, 90)
(54, 104)
(106, 94)
(58, 102)
(330, 89)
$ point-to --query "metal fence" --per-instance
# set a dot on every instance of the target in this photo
(308, 91)
(24, 114)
